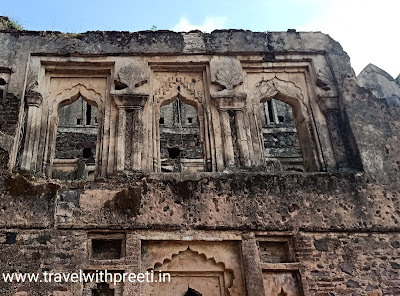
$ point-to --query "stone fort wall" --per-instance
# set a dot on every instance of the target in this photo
(233, 223)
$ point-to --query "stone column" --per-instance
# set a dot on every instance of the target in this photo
(33, 101)
(137, 139)
(333, 121)
(252, 266)
(229, 155)
(274, 111)
(121, 138)
(331, 110)
(231, 100)
(134, 103)
(132, 262)
(242, 139)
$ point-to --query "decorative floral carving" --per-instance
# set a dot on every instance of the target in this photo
(228, 74)
(325, 80)
(131, 76)
(170, 85)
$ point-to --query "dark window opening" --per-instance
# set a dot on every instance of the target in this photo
(192, 292)
(2, 81)
(274, 252)
(180, 148)
(88, 114)
(104, 249)
(174, 153)
(95, 120)
(270, 112)
(281, 142)
(103, 289)
(76, 130)
(87, 152)
(11, 238)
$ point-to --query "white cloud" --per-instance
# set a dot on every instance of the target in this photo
(209, 24)
(366, 29)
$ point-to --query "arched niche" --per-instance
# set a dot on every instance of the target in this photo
(180, 92)
(70, 95)
(292, 95)
(64, 98)
(193, 272)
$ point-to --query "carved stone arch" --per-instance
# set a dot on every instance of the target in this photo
(189, 264)
(289, 93)
(188, 96)
(285, 91)
(70, 95)
(182, 95)
(66, 97)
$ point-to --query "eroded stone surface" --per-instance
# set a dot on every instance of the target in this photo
(318, 217)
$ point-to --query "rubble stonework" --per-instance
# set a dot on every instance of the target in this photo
(242, 163)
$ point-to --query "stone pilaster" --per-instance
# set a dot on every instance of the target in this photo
(33, 101)
(242, 139)
(130, 103)
(226, 101)
(252, 266)
(132, 261)
(331, 110)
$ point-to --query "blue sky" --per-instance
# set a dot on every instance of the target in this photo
(365, 28)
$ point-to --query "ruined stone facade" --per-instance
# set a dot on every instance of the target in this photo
(242, 163)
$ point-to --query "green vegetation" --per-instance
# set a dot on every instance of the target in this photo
(154, 28)
(13, 25)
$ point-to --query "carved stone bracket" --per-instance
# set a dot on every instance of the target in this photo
(328, 103)
(33, 98)
(229, 100)
(130, 100)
